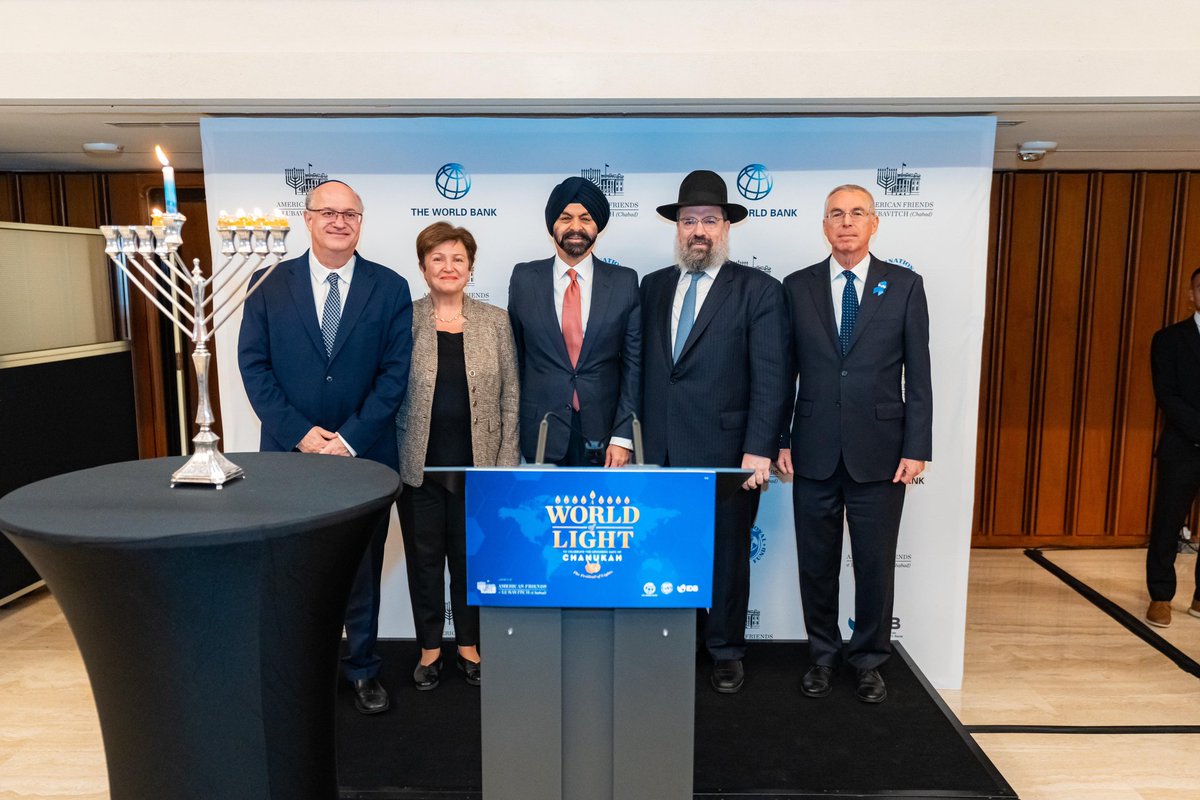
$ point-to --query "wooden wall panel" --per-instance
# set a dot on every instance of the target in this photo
(1084, 268)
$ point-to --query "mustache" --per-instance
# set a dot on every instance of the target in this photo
(575, 242)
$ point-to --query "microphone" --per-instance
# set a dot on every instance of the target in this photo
(593, 448)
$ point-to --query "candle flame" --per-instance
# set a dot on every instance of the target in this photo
(162, 157)
(154, 212)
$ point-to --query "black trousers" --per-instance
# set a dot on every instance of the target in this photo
(433, 524)
(873, 512)
(723, 626)
(1178, 484)
(362, 610)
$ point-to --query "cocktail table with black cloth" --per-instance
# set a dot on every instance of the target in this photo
(209, 621)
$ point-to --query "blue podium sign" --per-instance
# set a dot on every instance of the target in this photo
(587, 538)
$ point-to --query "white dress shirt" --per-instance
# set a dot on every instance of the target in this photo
(702, 288)
(319, 274)
(1196, 317)
(562, 280)
(837, 285)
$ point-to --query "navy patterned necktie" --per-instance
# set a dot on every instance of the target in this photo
(849, 311)
(331, 314)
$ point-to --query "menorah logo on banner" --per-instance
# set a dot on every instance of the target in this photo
(304, 180)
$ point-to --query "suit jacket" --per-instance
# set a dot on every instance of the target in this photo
(728, 393)
(354, 391)
(1175, 370)
(873, 406)
(608, 375)
(491, 363)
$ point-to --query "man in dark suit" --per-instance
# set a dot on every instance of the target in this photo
(861, 430)
(577, 325)
(716, 389)
(1175, 369)
(324, 353)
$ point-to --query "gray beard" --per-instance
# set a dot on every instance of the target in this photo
(717, 254)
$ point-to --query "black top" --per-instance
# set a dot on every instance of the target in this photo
(450, 418)
(133, 502)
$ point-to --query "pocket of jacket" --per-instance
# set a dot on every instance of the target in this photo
(889, 411)
(732, 420)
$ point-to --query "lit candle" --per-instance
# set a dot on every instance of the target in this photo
(156, 218)
(224, 221)
(259, 221)
(242, 220)
(168, 181)
(279, 220)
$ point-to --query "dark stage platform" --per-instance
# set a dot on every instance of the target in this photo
(768, 741)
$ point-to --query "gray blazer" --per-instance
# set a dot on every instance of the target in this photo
(491, 361)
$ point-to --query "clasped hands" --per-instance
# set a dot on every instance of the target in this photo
(319, 440)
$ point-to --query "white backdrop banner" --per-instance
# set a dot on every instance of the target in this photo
(931, 178)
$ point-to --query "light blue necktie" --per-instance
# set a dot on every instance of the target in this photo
(849, 311)
(331, 314)
(687, 316)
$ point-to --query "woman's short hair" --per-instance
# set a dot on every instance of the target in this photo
(438, 234)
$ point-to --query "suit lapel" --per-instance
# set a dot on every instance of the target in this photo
(721, 289)
(870, 301)
(360, 290)
(822, 297)
(300, 284)
(662, 309)
(598, 309)
(543, 288)
(1192, 337)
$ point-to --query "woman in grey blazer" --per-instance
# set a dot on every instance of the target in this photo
(461, 410)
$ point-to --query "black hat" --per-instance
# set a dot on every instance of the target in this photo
(704, 188)
(577, 190)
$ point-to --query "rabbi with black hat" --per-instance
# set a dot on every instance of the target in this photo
(577, 324)
(717, 387)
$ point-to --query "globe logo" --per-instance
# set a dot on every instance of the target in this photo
(754, 182)
(452, 181)
(758, 544)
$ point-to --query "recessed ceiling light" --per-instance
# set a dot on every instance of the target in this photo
(103, 149)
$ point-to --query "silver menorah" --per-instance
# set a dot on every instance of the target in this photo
(247, 244)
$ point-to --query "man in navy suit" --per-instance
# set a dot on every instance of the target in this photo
(577, 325)
(861, 431)
(324, 354)
(1175, 370)
(716, 389)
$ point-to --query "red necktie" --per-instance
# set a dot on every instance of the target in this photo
(572, 325)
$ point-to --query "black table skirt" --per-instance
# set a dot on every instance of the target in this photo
(209, 621)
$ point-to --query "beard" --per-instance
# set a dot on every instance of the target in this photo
(715, 254)
(575, 247)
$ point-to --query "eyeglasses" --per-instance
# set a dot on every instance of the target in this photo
(329, 215)
(856, 215)
(687, 223)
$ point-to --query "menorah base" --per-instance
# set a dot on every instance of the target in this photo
(207, 466)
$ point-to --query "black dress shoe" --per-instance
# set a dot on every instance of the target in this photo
(370, 697)
(871, 688)
(470, 669)
(818, 681)
(427, 676)
(728, 675)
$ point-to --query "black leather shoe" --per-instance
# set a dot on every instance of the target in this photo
(728, 676)
(427, 676)
(871, 688)
(818, 681)
(470, 669)
(370, 697)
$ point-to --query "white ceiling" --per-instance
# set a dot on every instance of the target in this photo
(1125, 135)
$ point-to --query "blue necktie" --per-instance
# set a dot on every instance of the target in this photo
(331, 314)
(687, 316)
(849, 311)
